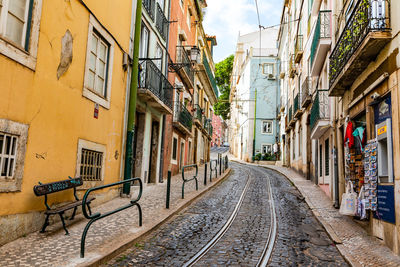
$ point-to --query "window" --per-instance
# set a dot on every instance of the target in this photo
(8, 152)
(174, 149)
(13, 139)
(144, 43)
(99, 59)
(14, 16)
(266, 149)
(159, 56)
(19, 28)
(266, 127)
(91, 165)
(268, 69)
(90, 162)
(98, 64)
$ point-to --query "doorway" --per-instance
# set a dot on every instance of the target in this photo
(155, 127)
(138, 145)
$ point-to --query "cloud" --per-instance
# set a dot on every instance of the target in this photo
(226, 18)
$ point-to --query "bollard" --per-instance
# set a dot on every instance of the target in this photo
(168, 189)
(220, 163)
(205, 174)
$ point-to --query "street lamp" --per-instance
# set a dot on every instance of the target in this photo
(195, 54)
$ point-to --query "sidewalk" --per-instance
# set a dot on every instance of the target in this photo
(107, 236)
(353, 242)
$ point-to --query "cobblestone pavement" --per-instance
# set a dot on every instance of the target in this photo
(301, 241)
(53, 248)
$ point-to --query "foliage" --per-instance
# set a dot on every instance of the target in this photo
(268, 156)
(223, 72)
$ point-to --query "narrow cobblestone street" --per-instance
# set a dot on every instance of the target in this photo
(300, 241)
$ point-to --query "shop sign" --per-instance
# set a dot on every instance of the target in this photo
(385, 210)
(383, 110)
(382, 130)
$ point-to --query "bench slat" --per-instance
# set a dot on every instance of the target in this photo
(49, 188)
(68, 206)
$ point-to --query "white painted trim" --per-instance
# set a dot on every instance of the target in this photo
(88, 93)
(272, 127)
(17, 53)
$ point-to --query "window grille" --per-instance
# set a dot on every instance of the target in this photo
(91, 165)
(8, 152)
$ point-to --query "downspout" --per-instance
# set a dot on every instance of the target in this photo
(160, 175)
(132, 99)
(254, 122)
(335, 156)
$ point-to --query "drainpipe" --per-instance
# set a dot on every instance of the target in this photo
(254, 127)
(160, 174)
(132, 99)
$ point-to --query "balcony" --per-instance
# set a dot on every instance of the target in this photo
(296, 107)
(198, 115)
(161, 22)
(210, 74)
(207, 126)
(154, 88)
(319, 118)
(183, 66)
(183, 120)
(299, 49)
(292, 67)
(321, 42)
(306, 90)
(364, 36)
(149, 7)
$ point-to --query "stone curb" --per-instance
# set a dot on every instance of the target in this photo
(108, 255)
(328, 228)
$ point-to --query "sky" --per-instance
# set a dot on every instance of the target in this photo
(226, 18)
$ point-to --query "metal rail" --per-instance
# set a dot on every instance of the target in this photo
(271, 235)
(97, 216)
(221, 232)
(188, 180)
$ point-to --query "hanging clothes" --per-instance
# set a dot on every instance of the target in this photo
(349, 134)
(359, 136)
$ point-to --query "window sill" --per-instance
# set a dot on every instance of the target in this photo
(17, 53)
(88, 93)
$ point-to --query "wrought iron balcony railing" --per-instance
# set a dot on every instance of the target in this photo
(149, 6)
(320, 108)
(183, 59)
(210, 74)
(152, 79)
(322, 30)
(368, 16)
(182, 115)
(207, 125)
(199, 112)
(161, 22)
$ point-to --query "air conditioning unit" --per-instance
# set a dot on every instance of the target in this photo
(271, 77)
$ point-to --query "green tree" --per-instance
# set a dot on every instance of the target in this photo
(223, 71)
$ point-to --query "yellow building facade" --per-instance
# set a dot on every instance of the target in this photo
(63, 84)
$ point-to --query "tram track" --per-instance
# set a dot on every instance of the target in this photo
(269, 244)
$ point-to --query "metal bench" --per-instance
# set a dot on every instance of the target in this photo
(50, 188)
